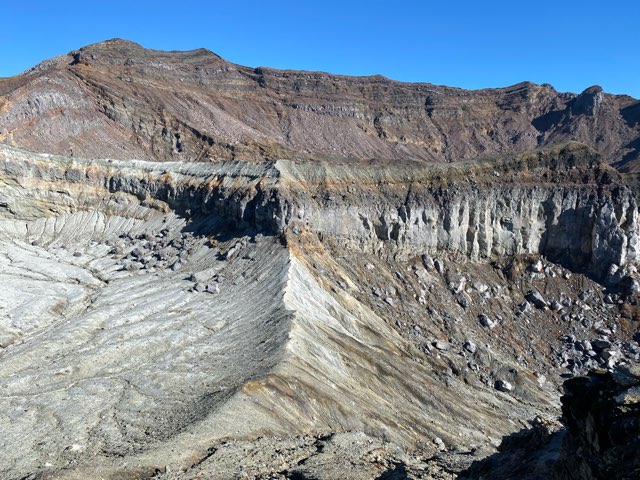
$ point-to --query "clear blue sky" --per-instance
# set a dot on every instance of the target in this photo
(471, 44)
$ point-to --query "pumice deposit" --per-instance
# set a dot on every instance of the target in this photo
(212, 271)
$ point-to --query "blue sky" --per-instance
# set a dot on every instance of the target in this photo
(470, 44)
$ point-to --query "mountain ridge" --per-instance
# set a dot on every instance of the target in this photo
(120, 100)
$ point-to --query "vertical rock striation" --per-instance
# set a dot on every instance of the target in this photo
(215, 301)
(562, 203)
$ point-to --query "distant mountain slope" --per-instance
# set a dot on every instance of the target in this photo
(117, 99)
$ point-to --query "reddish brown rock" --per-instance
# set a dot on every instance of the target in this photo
(117, 99)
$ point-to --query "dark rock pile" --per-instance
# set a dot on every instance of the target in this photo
(602, 415)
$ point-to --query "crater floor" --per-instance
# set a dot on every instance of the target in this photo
(171, 321)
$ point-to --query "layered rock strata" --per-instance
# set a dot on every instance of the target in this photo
(117, 99)
(562, 203)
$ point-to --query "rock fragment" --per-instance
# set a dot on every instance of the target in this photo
(428, 262)
(439, 443)
(600, 344)
(441, 345)
(486, 321)
(536, 299)
(463, 300)
(503, 386)
(537, 267)
(131, 266)
(469, 346)
(556, 306)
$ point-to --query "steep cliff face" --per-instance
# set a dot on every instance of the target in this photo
(170, 317)
(562, 203)
(307, 275)
(118, 100)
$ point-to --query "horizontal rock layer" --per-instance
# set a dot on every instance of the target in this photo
(562, 203)
(117, 99)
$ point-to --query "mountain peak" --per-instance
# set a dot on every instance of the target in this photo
(115, 43)
(118, 51)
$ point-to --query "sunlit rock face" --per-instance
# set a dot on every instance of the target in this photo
(116, 99)
(286, 274)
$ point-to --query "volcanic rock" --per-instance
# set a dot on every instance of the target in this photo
(602, 415)
(220, 308)
(536, 299)
(503, 386)
(196, 106)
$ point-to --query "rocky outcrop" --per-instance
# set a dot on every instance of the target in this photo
(119, 100)
(602, 415)
(319, 299)
(148, 317)
(562, 203)
(588, 101)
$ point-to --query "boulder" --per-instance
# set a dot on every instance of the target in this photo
(469, 346)
(537, 267)
(536, 299)
(601, 412)
(486, 321)
(503, 386)
(428, 263)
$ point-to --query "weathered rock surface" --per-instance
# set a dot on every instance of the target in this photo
(602, 415)
(118, 100)
(277, 322)
(302, 276)
(580, 214)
